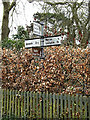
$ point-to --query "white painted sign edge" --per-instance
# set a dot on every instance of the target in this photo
(32, 43)
(37, 28)
(52, 41)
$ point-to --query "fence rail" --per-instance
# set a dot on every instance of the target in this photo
(44, 105)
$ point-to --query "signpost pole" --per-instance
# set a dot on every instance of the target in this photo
(42, 56)
(42, 44)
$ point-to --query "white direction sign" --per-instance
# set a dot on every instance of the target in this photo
(51, 41)
(48, 41)
(32, 43)
(37, 28)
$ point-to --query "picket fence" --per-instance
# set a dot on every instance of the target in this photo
(44, 105)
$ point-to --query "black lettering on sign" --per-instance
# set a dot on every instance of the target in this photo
(36, 42)
(29, 43)
(50, 42)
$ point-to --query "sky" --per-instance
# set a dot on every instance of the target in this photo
(25, 11)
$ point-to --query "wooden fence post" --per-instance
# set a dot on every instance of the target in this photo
(43, 105)
(50, 97)
(22, 104)
(31, 101)
(16, 103)
(80, 106)
(40, 97)
(37, 105)
(1, 104)
(73, 106)
(4, 102)
(89, 106)
(47, 105)
(34, 111)
(28, 103)
(43, 97)
(54, 115)
(77, 106)
(8, 102)
(61, 105)
(57, 105)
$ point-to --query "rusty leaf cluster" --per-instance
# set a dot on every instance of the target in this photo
(64, 70)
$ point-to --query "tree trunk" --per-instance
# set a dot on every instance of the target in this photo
(5, 21)
(88, 39)
(7, 7)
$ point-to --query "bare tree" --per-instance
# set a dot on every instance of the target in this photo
(78, 21)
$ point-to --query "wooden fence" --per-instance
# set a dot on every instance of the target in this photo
(44, 105)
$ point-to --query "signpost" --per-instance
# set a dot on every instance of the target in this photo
(51, 41)
(38, 44)
(37, 28)
(29, 43)
(43, 42)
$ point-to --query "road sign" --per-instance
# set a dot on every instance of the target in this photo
(43, 42)
(51, 41)
(37, 28)
(29, 43)
(36, 51)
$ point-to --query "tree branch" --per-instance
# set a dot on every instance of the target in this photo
(12, 4)
(56, 3)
